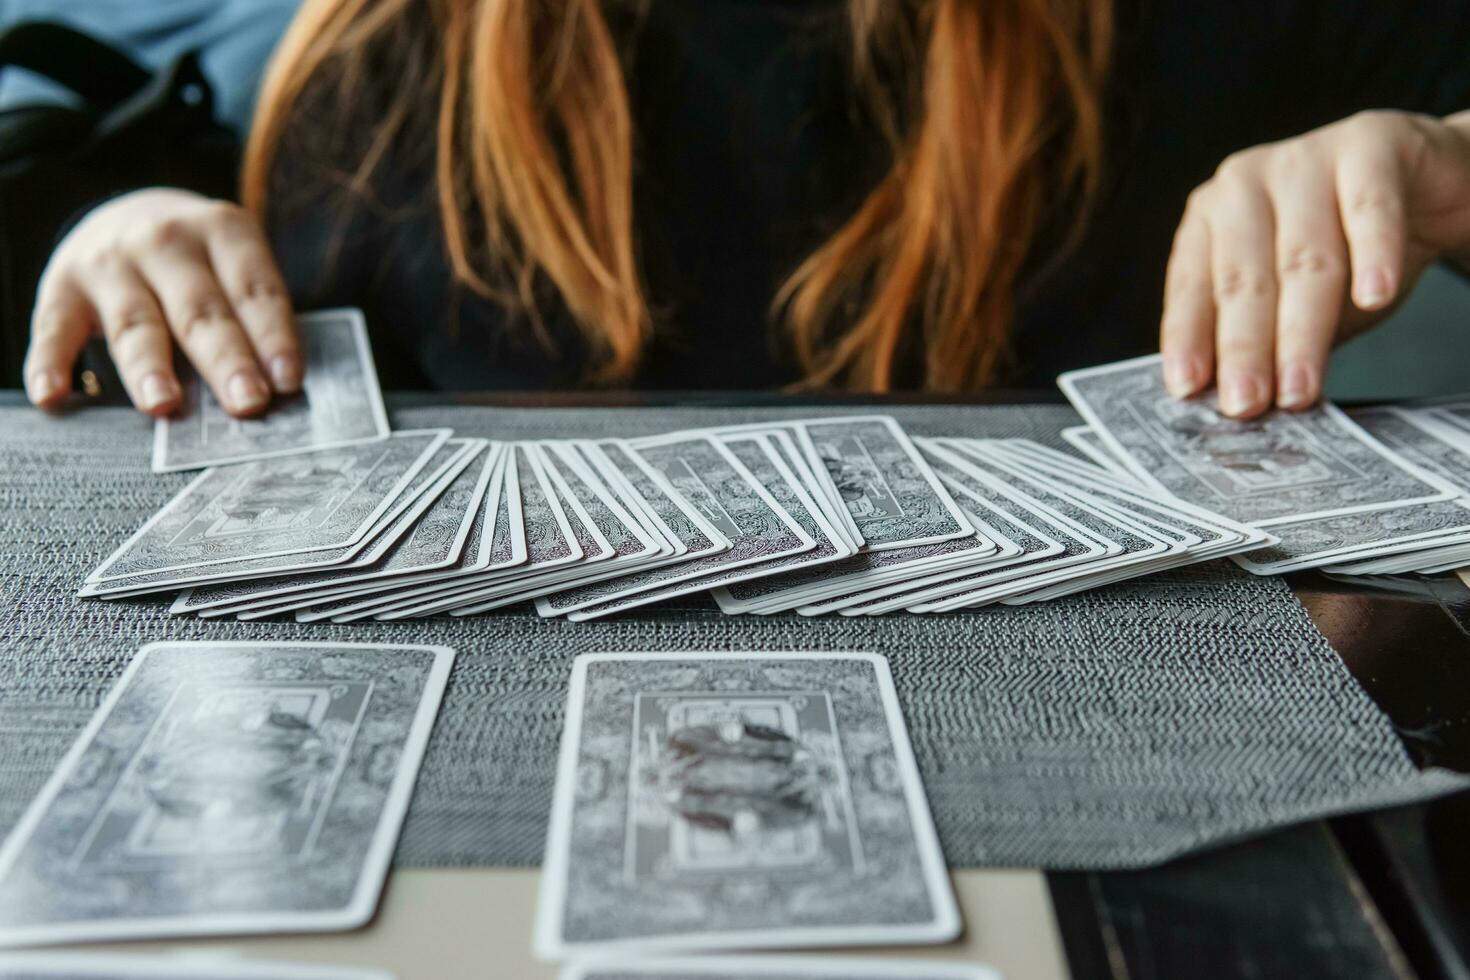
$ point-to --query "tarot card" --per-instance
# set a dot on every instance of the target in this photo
(634, 547)
(1457, 565)
(490, 529)
(178, 966)
(1450, 416)
(826, 600)
(226, 788)
(806, 589)
(786, 441)
(1419, 442)
(1206, 535)
(549, 540)
(883, 481)
(1427, 561)
(600, 557)
(802, 588)
(809, 469)
(1029, 502)
(712, 801)
(587, 533)
(340, 405)
(726, 495)
(550, 544)
(289, 505)
(389, 527)
(1084, 439)
(1456, 410)
(1453, 559)
(773, 968)
(1280, 467)
(437, 542)
(759, 454)
(1138, 544)
(768, 453)
(812, 473)
(1150, 543)
(1357, 536)
(665, 510)
(424, 535)
(626, 532)
(1035, 546)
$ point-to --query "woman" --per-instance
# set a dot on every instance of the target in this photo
(871, 194)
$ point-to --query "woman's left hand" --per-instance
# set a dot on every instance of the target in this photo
(1294, 246)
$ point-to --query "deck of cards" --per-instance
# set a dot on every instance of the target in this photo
(819, 515)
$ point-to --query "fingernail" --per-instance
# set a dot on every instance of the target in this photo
(285, 373)
(1181, 376)
(43, 386)
(247, 392)
(1372, 288)
(157, 389)
(1239, 396)
(1296, 387)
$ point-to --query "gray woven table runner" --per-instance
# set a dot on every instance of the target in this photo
(1111, 729)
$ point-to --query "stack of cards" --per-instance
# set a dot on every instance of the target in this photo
(226, 788)
(712, 802)
(1387, 490)
(1437, 538)
(825, 515)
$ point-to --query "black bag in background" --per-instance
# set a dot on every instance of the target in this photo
(131, 128)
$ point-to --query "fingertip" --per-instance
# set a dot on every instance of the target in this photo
(1184, 374)
(46, 387)
(1244, 396)
(158, 394)
(246, 394)
(1298, 387)
(286, 373)
(1373, 288)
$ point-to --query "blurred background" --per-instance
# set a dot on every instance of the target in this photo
(102, 96)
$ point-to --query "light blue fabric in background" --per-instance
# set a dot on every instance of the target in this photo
(234, 38)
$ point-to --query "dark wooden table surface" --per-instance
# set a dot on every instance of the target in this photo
(1366, 896)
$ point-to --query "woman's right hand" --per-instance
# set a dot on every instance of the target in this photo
(157, 266)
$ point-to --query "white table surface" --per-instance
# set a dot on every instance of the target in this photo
(446, 924)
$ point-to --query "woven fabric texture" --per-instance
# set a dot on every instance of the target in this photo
(1111, 729)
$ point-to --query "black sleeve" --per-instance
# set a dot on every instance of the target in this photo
(1388, 54)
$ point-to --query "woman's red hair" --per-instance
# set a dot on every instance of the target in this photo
(534, 161)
